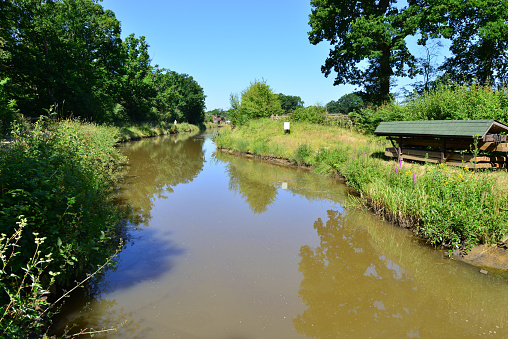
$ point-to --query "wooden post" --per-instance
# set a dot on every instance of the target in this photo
(399, 152)
(443, 148)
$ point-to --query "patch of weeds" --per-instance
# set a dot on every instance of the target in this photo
(303, 154)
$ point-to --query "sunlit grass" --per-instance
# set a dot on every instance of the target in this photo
(446, 205)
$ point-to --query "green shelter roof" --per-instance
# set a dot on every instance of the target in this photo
(441, 128)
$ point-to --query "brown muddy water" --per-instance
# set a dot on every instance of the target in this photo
(228, 247)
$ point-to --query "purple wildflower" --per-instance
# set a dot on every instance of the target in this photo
(359, 152)
(414, 179)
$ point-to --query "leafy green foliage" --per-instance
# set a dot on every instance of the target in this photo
(59, 177)
(479, 36)
(303, 154)
(62, 53)
(236, 113)
(370, 31)
(68, 54)
(258, 101)
(21, 315)
(8, 110)
(375, 32)
(442, 103)
(137, 90)
(345, 104)
(289, 103)
(314, 114)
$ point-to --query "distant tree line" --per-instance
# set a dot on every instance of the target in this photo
(68, 55)
(369, 42)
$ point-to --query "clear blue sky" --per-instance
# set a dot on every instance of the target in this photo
(225, 45)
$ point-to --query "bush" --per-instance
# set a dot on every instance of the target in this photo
(303, 154)
(258, 101)
(21, 316)
(59, 177)
(313, 114)
(442, 103)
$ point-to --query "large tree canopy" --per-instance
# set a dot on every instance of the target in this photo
(371, 31)
(479, 33)
(60, 53)
(368, 44)
(290, 102)
(345, 104)
(69, 54)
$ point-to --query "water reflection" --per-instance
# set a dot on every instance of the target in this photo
(258, 182)
(156, 166)
(240, 252)
(107, 319)
(359, 282)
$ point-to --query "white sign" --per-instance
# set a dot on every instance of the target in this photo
(286, 125)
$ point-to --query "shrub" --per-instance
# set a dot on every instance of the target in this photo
(59, 177)
(313, 114)
(20, 315)
(303, 154)
(442, 103)
(258, 101)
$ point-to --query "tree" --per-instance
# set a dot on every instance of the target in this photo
(345, 104)
(64, 53)
(479, 34)
(192, 102)
(290, 102)
(68, 54)
(235, 112)
(137, 85)
(177, 97)
(258, 101)
(371, 31)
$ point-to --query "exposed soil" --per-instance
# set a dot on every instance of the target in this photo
(490, 258)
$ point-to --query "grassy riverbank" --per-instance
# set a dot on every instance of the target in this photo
(145, 130)
(57, 218)
(58, 221)
(448, 206)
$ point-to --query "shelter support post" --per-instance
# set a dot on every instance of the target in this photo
(397, 149)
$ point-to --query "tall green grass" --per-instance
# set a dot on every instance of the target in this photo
(445, 205)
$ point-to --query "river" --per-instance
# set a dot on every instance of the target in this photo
(228, 247)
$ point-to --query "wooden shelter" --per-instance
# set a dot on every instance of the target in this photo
(471, 143)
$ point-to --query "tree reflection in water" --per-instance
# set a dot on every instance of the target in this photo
(352, 287)
(258, 182)
(166, 162)
(258, 194)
